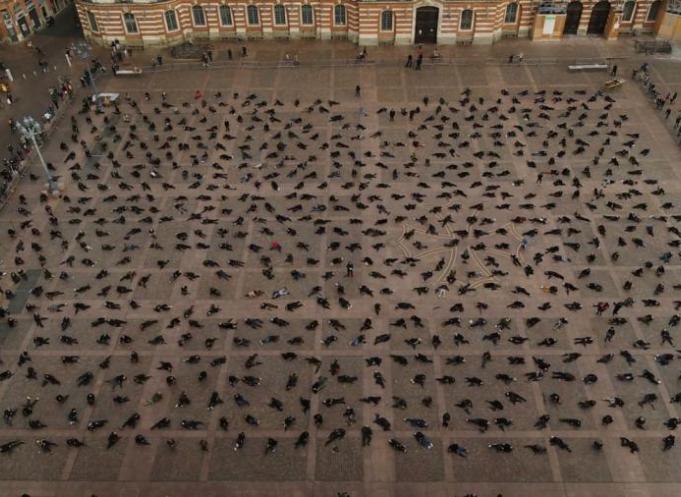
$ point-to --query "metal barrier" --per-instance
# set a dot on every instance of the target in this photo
(653, 46)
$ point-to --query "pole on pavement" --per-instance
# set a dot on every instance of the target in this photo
(30, 128)
(68, 59)
(51, 183)
(98, 103)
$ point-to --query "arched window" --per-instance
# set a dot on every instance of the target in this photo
(466, 23)
(387, 20)
(306, 14)
(339, 15)
(654, 11)
(225, 15)
(93, 22)
(628, 11)
(279, 14)
(252, 15)
(171, 20)
(130, 23)
(198, 15)
(511, 13)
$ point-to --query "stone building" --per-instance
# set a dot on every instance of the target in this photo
(366, 22)
(20, 18)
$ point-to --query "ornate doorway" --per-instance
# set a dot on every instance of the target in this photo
(426, 25)
(574, 14)
(599, 18)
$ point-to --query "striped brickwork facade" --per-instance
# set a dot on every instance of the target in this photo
(360, 21)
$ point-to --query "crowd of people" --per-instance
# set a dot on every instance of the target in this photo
(665, 101)
(258, 240)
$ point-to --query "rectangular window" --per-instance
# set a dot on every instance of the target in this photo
(130, 23)
(252, 15)
(466, 20)
(628, 11)
(225, 15)
(93, 22)
(279, 15)
(674, 6)
(339, 15)
(387, 20)
(307, 16)
(171, 20)
(199, 16)
(511, 13)
(654, 9)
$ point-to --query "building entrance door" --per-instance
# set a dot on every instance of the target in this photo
(426, 25)
(574, 14)
(599, 18)
(34, 17)
(23, 26)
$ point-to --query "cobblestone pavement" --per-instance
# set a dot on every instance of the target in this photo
(354, 186)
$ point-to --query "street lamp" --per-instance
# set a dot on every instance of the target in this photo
(30, 129)
(84, 51)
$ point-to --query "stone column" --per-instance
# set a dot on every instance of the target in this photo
(612, 26)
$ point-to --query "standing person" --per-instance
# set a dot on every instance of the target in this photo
(244, 51)
(613, 71)
(210, 55)
(392, 114)
(229, 53)
(419, 61)
(54, 97)
(410, 61)
(358, 91)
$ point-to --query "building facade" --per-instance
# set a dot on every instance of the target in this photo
(366, 22)
(20, 18)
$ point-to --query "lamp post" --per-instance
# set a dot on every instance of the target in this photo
(84, 51)
(30, 129)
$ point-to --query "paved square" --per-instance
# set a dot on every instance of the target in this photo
(264, 252)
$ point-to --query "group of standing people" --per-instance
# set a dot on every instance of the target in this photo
(665, 102)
